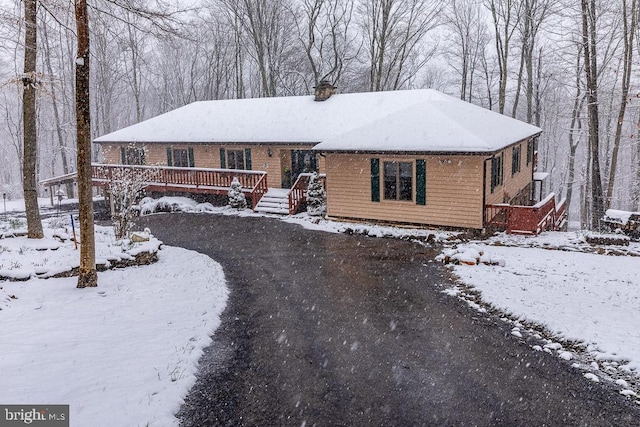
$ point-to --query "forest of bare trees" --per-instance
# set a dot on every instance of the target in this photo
(570, 67)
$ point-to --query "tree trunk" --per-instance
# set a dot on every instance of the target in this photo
(30, 151)
(591, 71)
(636, 195)
(576, 121)
(87, 272)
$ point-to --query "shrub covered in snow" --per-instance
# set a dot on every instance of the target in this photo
(126, 188)
(316, 197)
(236, 196)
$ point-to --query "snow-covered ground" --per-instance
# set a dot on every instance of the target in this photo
(587, 301)
(16, 207)
(122, 354)
(125, 353)
(583, 298)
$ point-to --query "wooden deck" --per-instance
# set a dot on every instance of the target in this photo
(175, 179)
(546, 215)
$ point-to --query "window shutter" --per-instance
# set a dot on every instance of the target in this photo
(375, 180)
(143, 156)
(223, 159)
(169, 157)
(123, 156)
(421, 182)
(494, 173)
(192, 162)
(247, 158)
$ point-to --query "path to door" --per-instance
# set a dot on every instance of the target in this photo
(335, 330)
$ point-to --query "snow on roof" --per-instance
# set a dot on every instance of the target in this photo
(412, 120)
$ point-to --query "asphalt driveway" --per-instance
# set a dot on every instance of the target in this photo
(336, 330)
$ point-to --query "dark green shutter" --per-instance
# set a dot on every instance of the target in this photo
(421, 182)
(123, 156)
(375, 180)
(247, 158)
(169, 157)
(143, 156)
(223, 159)
(494, 173)
(192, 162)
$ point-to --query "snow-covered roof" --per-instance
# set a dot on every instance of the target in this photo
(409, 121)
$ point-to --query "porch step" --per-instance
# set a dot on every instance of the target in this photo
(275, 201)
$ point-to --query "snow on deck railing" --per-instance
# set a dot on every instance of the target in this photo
(544, 201)
(179, 168)
(57, 179)
(192, 180)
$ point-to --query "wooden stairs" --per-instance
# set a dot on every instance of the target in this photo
(275, 201)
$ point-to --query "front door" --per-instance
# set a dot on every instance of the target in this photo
(302, 161)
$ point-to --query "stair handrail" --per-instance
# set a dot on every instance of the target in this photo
(259, 190)
(298, 191)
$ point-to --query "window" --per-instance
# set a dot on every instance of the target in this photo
(497, 171)
(180, 157)
(132, 156)
(235, 159)
(398, 181)
(516, 159)
(529, 151)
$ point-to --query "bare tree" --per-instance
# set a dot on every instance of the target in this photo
(534, 13)
(394, 31)
(30, 82)
(575, 130)
(589, 43)
(506, 16)
(62, 146)
(268, 27)
(325, 36)
(470, 38)
(629, 22)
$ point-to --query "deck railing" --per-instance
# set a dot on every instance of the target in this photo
(189, 180)
(298, 192)
(515, 219)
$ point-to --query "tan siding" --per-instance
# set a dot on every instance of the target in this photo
(454, 191)
(512, 185)
(111, 154)
(208, 156)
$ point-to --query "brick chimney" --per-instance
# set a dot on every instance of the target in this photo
(324, 90)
